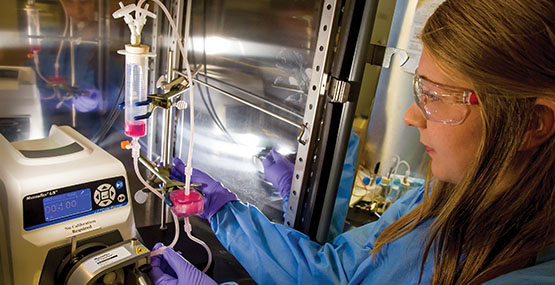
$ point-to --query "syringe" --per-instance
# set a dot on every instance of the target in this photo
(136, 71)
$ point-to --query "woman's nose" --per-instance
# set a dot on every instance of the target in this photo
(413, 117)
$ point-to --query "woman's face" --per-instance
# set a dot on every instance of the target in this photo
(81, 11)
(452, 148)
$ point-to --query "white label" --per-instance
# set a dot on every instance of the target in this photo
(105, 259)
(424, 9)
(81, 227)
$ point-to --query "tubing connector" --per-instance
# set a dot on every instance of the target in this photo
(135, 148)
(135, 24)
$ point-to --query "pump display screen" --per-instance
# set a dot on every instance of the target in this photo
(58, 205)
(67, 204)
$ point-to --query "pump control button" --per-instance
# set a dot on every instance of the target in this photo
(119, 184)
(104, 195)
(104, 187)
(96, 197)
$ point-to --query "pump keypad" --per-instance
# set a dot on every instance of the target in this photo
(104, 195)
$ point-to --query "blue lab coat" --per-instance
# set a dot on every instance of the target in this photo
(276, 254)
(344, 190)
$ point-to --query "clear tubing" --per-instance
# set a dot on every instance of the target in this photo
(135, 152)
(187, 25)
(36, 61)
(181, 45)
(136, 71)
(407, 173)
(172, 24)
(188, 168)
(188, 229)
(57, 62)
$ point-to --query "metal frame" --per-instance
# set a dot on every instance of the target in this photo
(352, 72)
(319, 164)
(300, 185)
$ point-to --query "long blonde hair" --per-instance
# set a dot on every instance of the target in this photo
(506, 49)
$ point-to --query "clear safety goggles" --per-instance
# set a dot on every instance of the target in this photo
(441, 103)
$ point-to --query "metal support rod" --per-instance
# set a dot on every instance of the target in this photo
(152, 169)
(72, 66)
(100, 61)
(253, 95)
(248, 103)
(177, 14)
(73, 246)
(153, 63)
(167, 118)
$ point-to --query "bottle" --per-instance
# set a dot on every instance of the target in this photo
(403, 188)
(393, 194)
(383, 192)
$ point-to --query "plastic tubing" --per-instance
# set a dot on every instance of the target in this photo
(135, 152)
(36, 61)
(187, 227)
(172, 23)
(188, 167)
(57, 62)
(187, 24)
(406, 164)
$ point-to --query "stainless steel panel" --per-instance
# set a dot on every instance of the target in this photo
(264, 47)
(261, 52)
(387, 135)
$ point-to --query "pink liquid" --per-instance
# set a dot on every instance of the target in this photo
(187, 205)
(135, 128)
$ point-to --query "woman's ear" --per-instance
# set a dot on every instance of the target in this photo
(544, 126)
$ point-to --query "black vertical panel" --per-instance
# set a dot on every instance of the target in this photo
(348, 64)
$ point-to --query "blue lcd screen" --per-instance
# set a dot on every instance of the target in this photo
(67, 204)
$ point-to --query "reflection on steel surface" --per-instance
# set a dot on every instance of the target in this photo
(300, 126)
(260, 52)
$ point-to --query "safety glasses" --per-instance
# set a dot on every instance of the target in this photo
(441, 103)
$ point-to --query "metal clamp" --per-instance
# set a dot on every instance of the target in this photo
(339, 90)
(167, 86)
(163, 173)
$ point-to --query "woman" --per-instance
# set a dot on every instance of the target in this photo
(485, 108)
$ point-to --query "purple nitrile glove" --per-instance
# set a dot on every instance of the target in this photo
(170, 268)
(87, 102)
(278, 171)
(215, 195)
